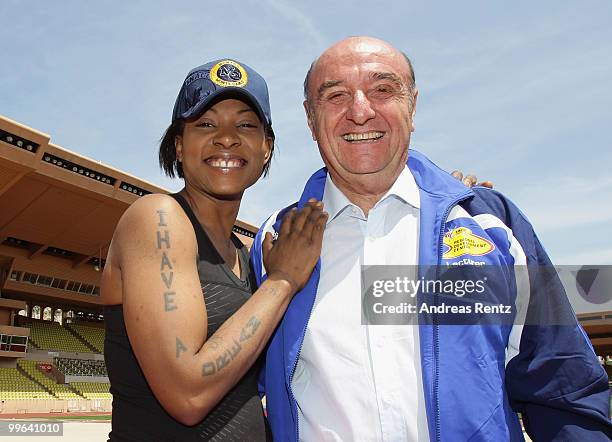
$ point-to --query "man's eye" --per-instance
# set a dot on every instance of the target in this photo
(336, 96)
(205, 124)
(247, 125)
(384, 89)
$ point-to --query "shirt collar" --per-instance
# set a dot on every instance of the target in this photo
(404, 188)
(334, 201)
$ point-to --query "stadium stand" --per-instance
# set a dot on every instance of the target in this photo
(93, 390)
(52, 336)
(80, 367)
(60, 391)
(93, 335)
(14, 385)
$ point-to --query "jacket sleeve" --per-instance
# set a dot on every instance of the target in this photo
(555, 379)
(257, 267)
(259, 270)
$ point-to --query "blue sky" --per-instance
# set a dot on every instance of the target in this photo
(516, 92)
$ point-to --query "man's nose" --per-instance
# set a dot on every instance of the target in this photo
(360, 110)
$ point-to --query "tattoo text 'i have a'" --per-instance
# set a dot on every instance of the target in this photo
(165, 268)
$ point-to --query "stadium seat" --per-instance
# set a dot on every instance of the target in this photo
(93, 390)
(14, 385)
(80, 367)
(60, 391)
(52, 336)
(93, 335)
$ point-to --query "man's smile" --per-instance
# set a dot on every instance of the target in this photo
(361, 137)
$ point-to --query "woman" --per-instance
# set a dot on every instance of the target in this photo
(184, 324)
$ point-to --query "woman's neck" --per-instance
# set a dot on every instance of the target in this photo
(217, 216)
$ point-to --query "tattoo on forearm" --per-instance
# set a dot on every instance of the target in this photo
(273, 291)
(180, 347)
(222, 360)
(215, 342)
(249, 329)
(208, 368)
(247, 332)
(165, 267)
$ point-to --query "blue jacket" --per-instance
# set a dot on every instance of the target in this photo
(475, 377)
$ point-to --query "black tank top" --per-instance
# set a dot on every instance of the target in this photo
(137, 415)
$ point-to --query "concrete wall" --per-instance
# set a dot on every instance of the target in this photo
(12, 406)
(96, 379)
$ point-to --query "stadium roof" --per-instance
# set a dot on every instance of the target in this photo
(59, 210)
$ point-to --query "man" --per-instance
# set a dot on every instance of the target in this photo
(327, 376)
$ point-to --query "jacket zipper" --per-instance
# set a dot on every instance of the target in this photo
(436, 336)
(297, 358)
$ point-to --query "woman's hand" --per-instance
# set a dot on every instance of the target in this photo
(470, 180)
(293, 255)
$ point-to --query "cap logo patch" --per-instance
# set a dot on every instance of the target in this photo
(228, 73)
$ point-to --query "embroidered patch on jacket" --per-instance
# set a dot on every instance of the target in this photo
(461, 241)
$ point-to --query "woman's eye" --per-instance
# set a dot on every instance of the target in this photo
(205, 124)
(248, 125)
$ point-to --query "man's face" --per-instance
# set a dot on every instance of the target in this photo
(360, 110)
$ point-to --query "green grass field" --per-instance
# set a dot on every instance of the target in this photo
(101, 417)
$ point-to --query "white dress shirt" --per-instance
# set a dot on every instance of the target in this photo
(357, 382)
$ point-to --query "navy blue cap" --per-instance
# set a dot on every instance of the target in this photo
(207, 82)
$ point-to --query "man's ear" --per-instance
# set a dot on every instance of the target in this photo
(309, 118)
(178, 148)
(413, 113)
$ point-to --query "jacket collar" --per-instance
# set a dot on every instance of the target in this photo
(430, 179)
